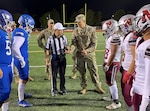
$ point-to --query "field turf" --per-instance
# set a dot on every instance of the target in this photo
(40, 89)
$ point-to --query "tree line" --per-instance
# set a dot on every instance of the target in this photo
(94, 17)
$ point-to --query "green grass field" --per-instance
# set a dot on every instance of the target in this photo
(40, 89)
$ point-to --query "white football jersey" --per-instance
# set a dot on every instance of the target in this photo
(129, 40)
(147, 69)
(115, 39)
(138, 84)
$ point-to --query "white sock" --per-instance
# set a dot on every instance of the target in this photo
(114, 91)
(21, 89)
(5, 106)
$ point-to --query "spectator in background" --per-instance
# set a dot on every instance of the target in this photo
(44, 35)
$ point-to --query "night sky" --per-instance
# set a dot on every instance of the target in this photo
(38, 7)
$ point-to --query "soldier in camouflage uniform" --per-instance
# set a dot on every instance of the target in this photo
(44, 35)
(85, 40)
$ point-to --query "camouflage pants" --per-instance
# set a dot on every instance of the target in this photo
(47, 68)
(92, 67)
(74, 70)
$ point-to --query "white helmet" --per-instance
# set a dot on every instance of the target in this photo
(110, 26)
(143, 18)
(127, 23)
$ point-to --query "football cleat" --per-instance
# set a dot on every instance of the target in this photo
(27, 95)
(23, 103)
(114, 106)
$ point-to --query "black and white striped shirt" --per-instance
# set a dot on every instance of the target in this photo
(57, 45)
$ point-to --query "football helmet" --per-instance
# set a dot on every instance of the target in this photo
(143, 18)
(27, 22)
(127, 23)
(6, 20)
(110, 27)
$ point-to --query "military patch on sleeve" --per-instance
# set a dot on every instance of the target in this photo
(147, 52)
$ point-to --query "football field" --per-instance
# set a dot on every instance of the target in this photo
(41, 89)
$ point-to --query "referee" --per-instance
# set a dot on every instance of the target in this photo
(57, 47)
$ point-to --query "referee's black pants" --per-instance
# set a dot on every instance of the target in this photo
(58, 65)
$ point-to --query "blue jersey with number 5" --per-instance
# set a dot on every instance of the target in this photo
(5, 48)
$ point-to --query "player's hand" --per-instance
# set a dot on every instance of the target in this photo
(84, 52)
(126, 77)
(105, 68)
(23, 63)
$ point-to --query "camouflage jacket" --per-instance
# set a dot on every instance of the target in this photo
(44, 35)
(85, 39)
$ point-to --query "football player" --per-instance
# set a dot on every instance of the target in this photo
(20, 38)
(5, 59)
(142, 78)
(126, 24)
(112, 59)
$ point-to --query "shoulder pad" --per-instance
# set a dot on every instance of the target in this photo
(115, 40)
(20, 34)
(132, 39)
(147, 52)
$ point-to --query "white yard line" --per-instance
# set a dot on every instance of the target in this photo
(40, 66)
(43, 51)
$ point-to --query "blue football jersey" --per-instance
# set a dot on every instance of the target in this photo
(5, 48)
(19, 32)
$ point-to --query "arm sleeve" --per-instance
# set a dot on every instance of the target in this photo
(146, 94)
(39, 40)
(18, 42)
(93, 42)
(115, 40)
(147, 72)
(66, 41)
(73, 40)
(132, 39)
(47, 47)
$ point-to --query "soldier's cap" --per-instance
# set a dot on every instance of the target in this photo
(50, 21)
(13, 23)
(58, 26)
(80, 17)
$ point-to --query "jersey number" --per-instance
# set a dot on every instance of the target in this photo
(8, 52)
(106, 53)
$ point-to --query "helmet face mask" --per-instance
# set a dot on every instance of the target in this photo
(27, 22)
(143, 19)
(6, 20)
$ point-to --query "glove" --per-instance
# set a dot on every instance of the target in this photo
(126, 77)
(105, 68)
(22, 62)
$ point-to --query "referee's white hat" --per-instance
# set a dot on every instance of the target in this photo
(58, 26)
